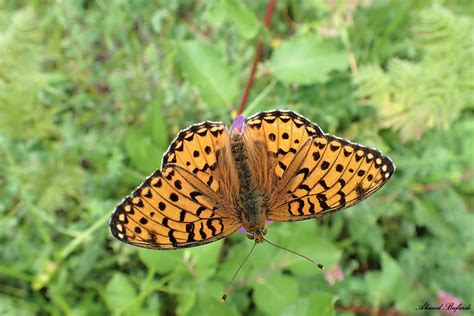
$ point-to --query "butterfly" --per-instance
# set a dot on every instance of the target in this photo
(277, 166)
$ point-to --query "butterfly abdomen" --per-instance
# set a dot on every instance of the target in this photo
(249, 198)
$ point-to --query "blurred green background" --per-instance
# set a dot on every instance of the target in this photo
(92, 92)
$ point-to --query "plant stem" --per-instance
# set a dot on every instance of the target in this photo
(258, 56)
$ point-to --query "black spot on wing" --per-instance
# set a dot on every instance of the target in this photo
(209, 225)
(173, 240)
(193, 195)
(189, 227)
(200, 210)
(334, 147)
(311, 206)
(304, 187)
(322, 182)
(325, 165)
(202, 233)
(304, 171)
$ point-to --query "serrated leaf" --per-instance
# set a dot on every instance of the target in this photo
(307, 59)
(204, 67)
(274, 293)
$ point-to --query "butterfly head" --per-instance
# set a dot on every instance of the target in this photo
(257, 234)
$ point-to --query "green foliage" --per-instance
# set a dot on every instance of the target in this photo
(23, 81)
(412, 96)
(317, 303)
(204, 67)
(307, 59)
(92, 93)
(236, 12)
(283, 290)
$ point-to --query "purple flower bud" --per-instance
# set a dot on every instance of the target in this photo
(238, 124)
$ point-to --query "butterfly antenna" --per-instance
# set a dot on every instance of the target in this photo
(298, 254)
(236, 272)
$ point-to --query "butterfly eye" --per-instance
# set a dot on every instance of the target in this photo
(250, 236)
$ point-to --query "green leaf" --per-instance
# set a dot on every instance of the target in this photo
(119, 293)
(146, 143)
(321, 303)
(155, 125)
(188, 292)
(204, 67)
(235, 11)
(427, 215)
(210, 304)
(144, 153)
(275, 292)
(390, 284)
(307, 59)
(205, 259)
(392, 274)
(307, 240)
(364, 223)
(186, 302)
(161, 261)
(245, 20)
(317, 303)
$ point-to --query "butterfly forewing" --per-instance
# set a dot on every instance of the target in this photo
(282, 132)
(197, 149)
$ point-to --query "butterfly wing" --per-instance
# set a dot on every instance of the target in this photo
(179, 206)
(326, 175)
(282, 133)
(197, 149)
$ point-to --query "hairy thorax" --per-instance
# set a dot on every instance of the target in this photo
(250, 200)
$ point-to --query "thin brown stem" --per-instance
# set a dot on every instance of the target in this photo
(258, 56)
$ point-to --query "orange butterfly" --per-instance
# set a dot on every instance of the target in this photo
(278, 166)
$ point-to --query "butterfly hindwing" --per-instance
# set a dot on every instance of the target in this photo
(168, 212)
(327, 175)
